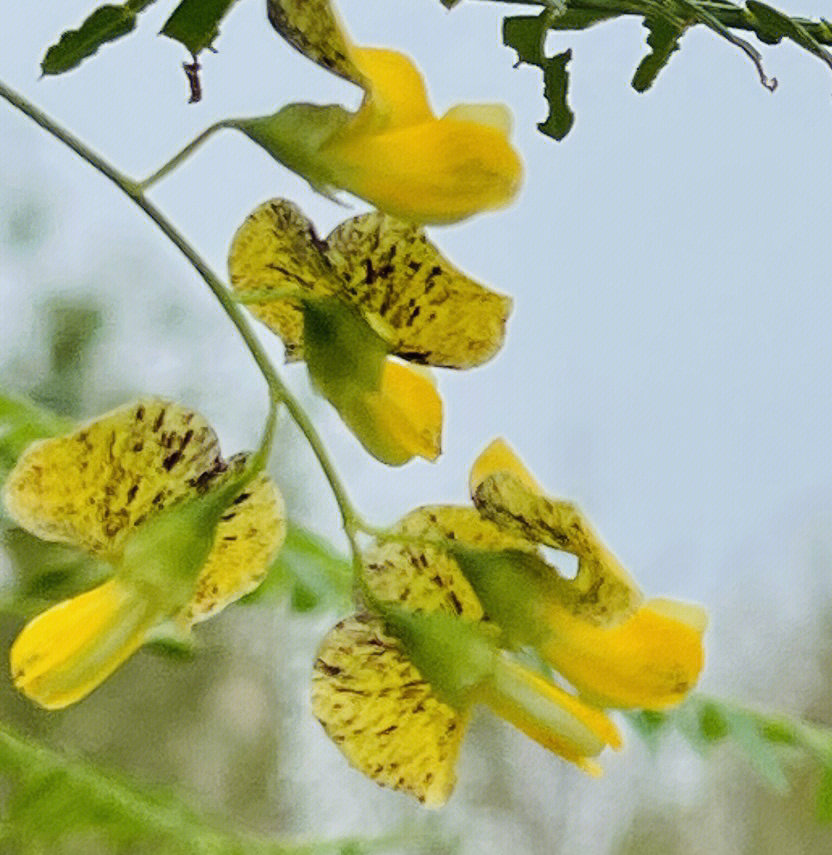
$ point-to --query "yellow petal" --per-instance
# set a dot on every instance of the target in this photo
(426, 309)
(402, 419)
(396, 95)
(274, 251)
(92, 487)
(246, 540)
(68, 650)
(436, 171)
(602, 591)
(421, 577)
(650, 661)
(557, 720)
(499, 456)
(381, 713)
(497, 116)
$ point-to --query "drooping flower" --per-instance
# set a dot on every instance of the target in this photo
(393, 151)
(395, 691)
(145, 489)
(457, 591)
(360, 307)
(597, 630)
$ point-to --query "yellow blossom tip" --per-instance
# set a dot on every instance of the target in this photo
(67, 651)
(560, 722)
(395, 87)
(496, 116)
(651, 660)
(499, 456)
(403, 419)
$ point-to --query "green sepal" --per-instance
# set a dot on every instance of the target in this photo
(164, 556)
(456, 656)
(295, 135)
(508, 583)
(196, 23)
(342, 351)
(105, 24)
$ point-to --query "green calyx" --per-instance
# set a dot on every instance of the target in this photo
(454, 655)
(295, 134)
(165, 555)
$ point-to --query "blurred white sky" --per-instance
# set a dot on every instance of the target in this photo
(668, 359)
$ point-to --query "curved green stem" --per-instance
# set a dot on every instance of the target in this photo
(278, 391)
(183, 155)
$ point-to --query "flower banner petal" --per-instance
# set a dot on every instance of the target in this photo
(246, 540)
(275, 250)
(92, 487)
(382, 714)
(428, 310)
(602, 592)
(313, 28)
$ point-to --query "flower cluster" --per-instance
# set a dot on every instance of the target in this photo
(459, 605)
(144, 489)
(393, 151)
(366, 308)
(455, 593)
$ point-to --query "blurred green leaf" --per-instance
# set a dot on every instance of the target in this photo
(823, 801)
(105, 24)
(310, 572)
(196, 23)
(712, 724)
(649, 725)
(745, 731)
(774, 26)
(63, 803)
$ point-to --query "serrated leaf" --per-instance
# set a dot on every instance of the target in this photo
(663, 41)
(744, 730)
(556, 91)
(526, 35)
(195, 23)
(105, 24)
(823, 800)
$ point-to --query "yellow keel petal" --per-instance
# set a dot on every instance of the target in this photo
(68, 650)
(650, 661)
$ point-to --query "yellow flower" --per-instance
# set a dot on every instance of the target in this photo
(399, 156)
(394, 151)
(145, 489)
(395, 692)
(615, 647)
(374, 293)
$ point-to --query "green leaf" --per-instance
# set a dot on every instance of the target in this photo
(310, 571)
(823, 802)
(555, 89)
(527, 35)
(649, 725)
(745, 731)
(105, 24)
(663, 41)
(713, 726)
(196, 23)
(774, 25)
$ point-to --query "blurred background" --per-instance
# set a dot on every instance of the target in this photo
(667, 367)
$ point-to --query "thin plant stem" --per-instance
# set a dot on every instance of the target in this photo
(278, 391)
(181, 156)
